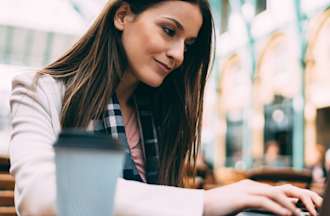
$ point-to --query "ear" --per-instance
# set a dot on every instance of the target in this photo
(123, 16)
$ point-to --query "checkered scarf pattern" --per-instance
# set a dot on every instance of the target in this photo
(113, 124)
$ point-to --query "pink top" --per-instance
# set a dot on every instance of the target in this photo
(133, 139)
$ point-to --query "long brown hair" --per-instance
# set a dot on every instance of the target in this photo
(91, 71)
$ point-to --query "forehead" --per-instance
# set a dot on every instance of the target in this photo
(188, 14)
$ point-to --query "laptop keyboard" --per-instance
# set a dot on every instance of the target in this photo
(259, 212)
(263, 213)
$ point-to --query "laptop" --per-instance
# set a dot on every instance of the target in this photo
(323, 211)
(87, 169)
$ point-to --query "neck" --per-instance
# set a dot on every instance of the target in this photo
(126, 88)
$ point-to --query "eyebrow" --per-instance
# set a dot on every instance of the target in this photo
(180, 26)
(177, 23)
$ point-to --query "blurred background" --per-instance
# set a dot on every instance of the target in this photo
(268, 98)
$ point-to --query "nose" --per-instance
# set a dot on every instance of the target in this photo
(176, 52)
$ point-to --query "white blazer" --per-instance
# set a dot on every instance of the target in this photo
(35, 126)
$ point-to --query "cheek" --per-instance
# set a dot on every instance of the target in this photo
(148, 40)
(151, 44)
(154, 43)
(142, 43)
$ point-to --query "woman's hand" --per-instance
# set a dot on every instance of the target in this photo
(250, 194)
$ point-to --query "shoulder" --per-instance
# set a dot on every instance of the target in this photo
(34, 80)
(42, 92)
(42, 86)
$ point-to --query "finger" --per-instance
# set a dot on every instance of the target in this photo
(308, 204)
(293, 200)
(262, 202)
(301, 194)
(281, 198)
(317, 199)
(277, 195)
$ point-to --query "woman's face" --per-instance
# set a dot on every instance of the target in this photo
(156, 39)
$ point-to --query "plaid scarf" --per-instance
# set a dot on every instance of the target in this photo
(113, 124)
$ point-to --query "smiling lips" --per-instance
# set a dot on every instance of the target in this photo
(164, 67)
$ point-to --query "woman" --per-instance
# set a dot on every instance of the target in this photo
(151, 58)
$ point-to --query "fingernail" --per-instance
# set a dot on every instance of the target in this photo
(298, 212)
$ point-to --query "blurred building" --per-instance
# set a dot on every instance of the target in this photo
(272, 78)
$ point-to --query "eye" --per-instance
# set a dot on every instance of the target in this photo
(169, 31)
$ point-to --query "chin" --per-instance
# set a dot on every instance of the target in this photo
(153, 81)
